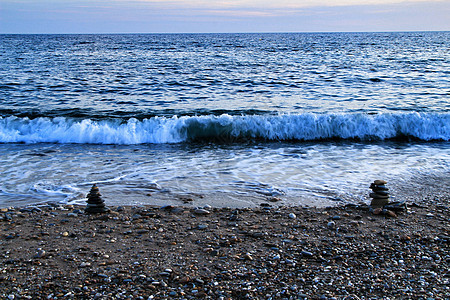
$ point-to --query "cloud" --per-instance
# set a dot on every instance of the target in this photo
(269, 3)
(121, 16)
(254, 8)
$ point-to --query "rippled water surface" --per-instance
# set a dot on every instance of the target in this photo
(146, 75)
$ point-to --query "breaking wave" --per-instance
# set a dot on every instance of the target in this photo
(226, 128)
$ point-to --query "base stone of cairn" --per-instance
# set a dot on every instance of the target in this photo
(95, 203)
(380, 194)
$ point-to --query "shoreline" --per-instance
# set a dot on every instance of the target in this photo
(150, 252)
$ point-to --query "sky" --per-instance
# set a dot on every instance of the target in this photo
(193, 16)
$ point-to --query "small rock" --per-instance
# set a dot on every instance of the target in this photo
(85, 264)
(40, 254)
(274, 199)
(292, 216)
(201, 211)
(248, 256)
(306, 253)
(390, 213)
(377, 211)
(184, 280)
(331, 225)
(380, 182)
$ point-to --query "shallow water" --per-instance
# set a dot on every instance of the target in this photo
(219, 175)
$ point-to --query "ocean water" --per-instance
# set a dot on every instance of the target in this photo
(222, 119)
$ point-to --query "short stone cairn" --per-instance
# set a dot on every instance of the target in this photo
(380, 194)
(95, 203)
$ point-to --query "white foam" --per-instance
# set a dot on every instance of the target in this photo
(161, 130)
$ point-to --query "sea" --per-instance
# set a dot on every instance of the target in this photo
(225, 120)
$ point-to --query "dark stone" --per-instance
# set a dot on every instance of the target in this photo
(95, 203)
(396, 206)
(378, 196)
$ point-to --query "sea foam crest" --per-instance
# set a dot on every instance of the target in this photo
(305, 127)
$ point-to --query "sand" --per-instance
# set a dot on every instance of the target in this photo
(148, 252)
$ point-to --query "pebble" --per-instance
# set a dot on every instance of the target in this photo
(331, 225)
(292, 216)
(201, 211)
(248, 256)
(306, 253)
(40, 254)
(85, 264)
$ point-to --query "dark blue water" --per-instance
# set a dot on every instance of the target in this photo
(244, 117)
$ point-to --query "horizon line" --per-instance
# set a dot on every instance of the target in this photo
(243, 32)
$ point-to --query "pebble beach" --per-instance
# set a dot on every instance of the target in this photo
(55, 251)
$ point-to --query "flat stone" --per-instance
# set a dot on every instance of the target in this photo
(85, 264)
(380, 182)
(381, 192)
(379, 202)
(201, 211)
(378, 196)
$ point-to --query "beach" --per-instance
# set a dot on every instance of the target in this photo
(58, 251)
(234, 165)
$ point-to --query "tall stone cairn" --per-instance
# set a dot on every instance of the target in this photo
(95, 203)
(380, 194)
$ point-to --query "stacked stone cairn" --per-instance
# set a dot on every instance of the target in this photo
(95, 203)
(380, 194)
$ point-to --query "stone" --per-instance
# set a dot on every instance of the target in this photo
(331, 225)
(85, 264)
(201, 211)
(381, 193)
(377, 211)
(95, 203)
(397, 206)
(40, 254)
(379, 202)
(248, 256)
(378, 196)
(306, 253)
(390, 213)
(380, 182)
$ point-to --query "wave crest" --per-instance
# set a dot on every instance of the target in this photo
(160, 130)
